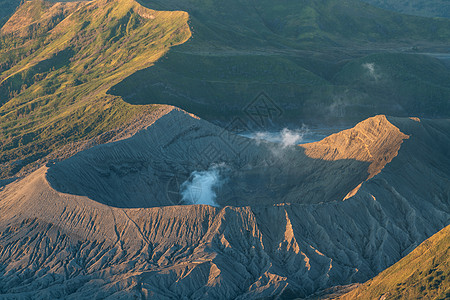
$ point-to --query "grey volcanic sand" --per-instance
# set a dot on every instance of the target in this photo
(103, 223)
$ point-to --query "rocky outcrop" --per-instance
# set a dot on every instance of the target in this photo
(104, 222)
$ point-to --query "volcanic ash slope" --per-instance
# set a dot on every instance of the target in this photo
(108, 222)
(424, 273)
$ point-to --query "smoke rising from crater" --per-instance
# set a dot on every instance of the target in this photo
(201, 186)
(292, 137)
(285, 137)
(370, 67)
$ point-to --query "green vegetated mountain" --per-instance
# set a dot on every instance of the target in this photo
(427, 8)
(422, 274)
(57, 60)
(297, 52)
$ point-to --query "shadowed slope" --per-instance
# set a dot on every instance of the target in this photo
(7, 7)
(57, 65)
(315, 23)
(88, 226)
(294, 51)
(427, 8)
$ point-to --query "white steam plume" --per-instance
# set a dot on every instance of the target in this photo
(291, 137)
(201, 186)
(370, 67)
(285, 137)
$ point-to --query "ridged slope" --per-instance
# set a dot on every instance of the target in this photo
(424, 273)
(55, 243)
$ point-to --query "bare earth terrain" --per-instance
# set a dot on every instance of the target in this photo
(101, 222)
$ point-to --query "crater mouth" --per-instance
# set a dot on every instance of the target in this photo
(288, 136)
(182, 160)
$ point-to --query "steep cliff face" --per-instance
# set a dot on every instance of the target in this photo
(104, 221)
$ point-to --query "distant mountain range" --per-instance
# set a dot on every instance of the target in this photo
(426, 8)
(298, 52)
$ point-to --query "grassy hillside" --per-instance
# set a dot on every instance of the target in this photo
(58, 60)
(423, 274)
(294, 51)
(427, 8)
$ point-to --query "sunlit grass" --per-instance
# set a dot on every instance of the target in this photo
(423, 274)
(53, 83)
